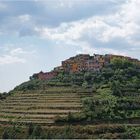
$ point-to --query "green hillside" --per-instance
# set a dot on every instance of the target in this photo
(103, 104)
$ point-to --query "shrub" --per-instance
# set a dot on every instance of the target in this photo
(30, 129)
(85, 84)
(11, 132)
(5, 134)
(35, 132)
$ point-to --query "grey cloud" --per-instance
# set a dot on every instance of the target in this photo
(52, 13)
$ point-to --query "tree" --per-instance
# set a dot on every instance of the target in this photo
(121, 63)
(87, 77)
(70, 117)
(116, 88)
(31, 128)
(37, 132)
(136, 82)
(68, 133)
(5, 134)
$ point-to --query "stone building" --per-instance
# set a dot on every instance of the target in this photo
(44, 76)
(76, 64)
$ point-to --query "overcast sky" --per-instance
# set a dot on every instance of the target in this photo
(37, 35)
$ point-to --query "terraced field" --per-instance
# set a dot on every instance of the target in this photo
(41, 107)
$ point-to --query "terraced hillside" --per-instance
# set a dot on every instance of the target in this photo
(111, 111)
(41, 106)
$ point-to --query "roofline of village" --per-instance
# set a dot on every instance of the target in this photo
(82, 62)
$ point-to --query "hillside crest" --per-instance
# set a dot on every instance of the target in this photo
(80, 63)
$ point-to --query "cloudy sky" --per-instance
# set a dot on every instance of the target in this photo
(37, 35)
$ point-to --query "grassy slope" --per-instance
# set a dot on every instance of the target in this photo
(40, 107)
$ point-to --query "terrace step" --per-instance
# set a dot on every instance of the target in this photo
(52, 95)
(41, 107)
(46, 98)
(50, 122)
(17, 116)
(54, 112)
(42, 103)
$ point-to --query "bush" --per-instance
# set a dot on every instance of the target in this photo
(11, 132)
(116, 88)
(68, 133)
(59, 119)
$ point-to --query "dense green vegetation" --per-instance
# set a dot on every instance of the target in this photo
(117, 93)
(4, 95)
(110, 100)
(70, 132)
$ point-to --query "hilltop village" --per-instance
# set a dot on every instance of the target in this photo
(81, 62)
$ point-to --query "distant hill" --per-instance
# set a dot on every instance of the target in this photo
(103, 103)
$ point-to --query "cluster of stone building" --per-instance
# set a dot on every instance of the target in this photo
(44, 75)
(81, 62)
